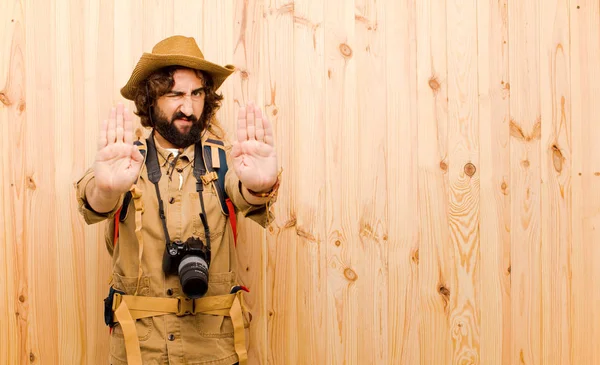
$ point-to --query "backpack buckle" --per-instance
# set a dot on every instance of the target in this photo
(185, 306)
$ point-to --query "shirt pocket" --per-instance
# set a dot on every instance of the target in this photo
(144, 326)
(214, 326)
(214, 215)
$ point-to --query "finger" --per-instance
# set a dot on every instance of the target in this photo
(102, 138)
(128, 127)
(251, 128)
(119, 126)
(260, 130)
(241, 129)
(112, 121)
(269, 137)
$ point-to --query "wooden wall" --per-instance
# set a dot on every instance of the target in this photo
(441, 158)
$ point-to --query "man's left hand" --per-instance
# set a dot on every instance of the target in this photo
(253, 152)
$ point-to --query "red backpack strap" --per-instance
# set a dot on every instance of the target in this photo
(231, 210)
(117, 226)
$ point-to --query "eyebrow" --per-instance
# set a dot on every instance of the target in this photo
(193, 91)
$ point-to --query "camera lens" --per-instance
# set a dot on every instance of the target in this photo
(193, 274)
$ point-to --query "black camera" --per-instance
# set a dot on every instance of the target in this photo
(189, 259)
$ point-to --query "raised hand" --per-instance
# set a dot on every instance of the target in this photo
(118, 161)
(253, 153)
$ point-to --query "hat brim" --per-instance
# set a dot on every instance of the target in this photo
(150, 63)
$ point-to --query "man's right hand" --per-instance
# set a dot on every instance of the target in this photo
(118, 161)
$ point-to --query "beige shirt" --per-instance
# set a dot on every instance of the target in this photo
(168, 339)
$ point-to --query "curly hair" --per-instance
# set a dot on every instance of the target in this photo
(161, 82)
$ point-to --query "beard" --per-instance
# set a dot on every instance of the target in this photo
(169, 131)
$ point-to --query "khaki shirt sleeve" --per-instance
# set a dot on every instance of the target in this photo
(258, 213)
(89, 215)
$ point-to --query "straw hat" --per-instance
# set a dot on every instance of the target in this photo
(176, 50)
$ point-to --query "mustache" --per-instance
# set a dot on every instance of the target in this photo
(180, 115)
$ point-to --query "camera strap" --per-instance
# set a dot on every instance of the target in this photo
(154, 175)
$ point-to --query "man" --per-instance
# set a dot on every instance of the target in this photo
(174, 190)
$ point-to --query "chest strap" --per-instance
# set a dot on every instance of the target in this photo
(129, 308)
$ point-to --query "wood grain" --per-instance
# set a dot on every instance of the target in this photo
(403, 219)
(309, 106)
(556, 166)
(372, 202)
(585, 126)
(342, 136)
(463, 158)
(435, 251)
(282, 242)
(525, 130)
(14, 285)
(494, 174)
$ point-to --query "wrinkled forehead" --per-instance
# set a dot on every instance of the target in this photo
(188, 79)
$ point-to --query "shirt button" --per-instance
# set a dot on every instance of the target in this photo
(171, 337)
(169, 292)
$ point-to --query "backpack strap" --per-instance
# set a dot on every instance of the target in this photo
(215, 160)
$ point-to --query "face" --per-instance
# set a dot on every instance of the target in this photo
(177, 115)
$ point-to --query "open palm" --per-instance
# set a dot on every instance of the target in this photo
(118, 161)
(253, 153)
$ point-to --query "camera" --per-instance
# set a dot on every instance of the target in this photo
(189, 259)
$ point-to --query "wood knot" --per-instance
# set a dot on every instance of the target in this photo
(415, 256)
(338, 243)
(509, 269)
(444, 291)
(21, 107)
(244, 74)
(504, 187)
(31, 183)
(444, 166)
(350, 274)
(434, 84)
(275, 111)
(525, 163)
(31, 357)
(595, 173)
(345, 50)
(470, 169)
(4, 99)
(557, 158)
(271, 230)
(290, 223)
(22, 298)
(329, 73)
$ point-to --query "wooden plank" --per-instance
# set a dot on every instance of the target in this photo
(282, 241)
(68, 112)
(15, 302)
(128, 47)
(98, 88)
(157, 22)
(525, 130)
(556, 166)
(218, 46)
(251, 247)
(309, 106)
(40, 219)
(435, 252)
(463, 163)
(402, 184)
(585, 85)
(370, 154)
(494, 173)
(341, 131)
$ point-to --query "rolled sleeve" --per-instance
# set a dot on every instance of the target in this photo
(257, 212)
(89, 215)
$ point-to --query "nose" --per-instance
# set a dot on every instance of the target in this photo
(186, 106)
